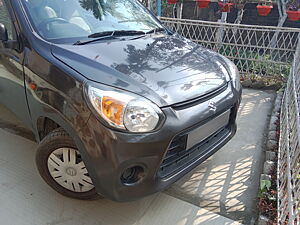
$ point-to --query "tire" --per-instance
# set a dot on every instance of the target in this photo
(56, 142)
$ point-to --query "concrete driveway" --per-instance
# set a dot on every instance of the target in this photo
(227, 183)
(223, 187)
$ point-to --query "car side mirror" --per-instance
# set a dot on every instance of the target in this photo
(3, 33)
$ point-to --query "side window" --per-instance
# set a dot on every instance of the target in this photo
(6, 20)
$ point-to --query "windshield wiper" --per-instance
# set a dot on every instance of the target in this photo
(90, 41)
(114, 34)
(109, 35)
(158, 29)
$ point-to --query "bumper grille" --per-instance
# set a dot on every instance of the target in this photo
(178, 157)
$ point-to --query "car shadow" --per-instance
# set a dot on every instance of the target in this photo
(10, 123)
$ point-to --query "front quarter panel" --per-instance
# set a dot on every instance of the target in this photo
(50, 86)
(53, 93)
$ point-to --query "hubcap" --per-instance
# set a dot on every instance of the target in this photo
(68, 170)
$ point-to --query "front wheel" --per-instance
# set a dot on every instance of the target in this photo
(60, 165)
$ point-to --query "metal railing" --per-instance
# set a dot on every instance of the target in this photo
(261, 51)
(289, 149)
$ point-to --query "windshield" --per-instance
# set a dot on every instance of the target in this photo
(63, 19)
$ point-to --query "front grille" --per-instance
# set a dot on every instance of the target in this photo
(177, 157)
(200, 99)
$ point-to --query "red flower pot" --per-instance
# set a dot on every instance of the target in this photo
(264, 10)
(202, 3)
(293, 15)
(225, 6)
(171, 1)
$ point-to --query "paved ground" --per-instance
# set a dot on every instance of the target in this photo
(26, 200)
(226, 184)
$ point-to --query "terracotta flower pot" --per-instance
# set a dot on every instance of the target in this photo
(225, 6)
(202, 3)
(264, 10)
(171, 1)
(293, 15)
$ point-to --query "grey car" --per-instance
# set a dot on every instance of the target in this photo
(121, 106)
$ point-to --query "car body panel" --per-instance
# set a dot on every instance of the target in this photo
(164, 68)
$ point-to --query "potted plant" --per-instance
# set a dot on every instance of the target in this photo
(293, 11)
(225, 6)
(171, 1)
(264, 8)
(202, 3)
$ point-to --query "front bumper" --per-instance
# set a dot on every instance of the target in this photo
(108, 153)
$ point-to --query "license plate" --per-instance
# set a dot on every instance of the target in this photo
(204, 131)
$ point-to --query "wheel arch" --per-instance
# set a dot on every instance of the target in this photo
(47, 123)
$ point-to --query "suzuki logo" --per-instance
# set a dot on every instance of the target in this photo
(71, 171)
(212, 106)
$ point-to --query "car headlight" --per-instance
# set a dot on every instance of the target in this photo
(124, 110)
(235, 76)
(233, 73)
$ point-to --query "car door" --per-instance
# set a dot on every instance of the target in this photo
(12, 91)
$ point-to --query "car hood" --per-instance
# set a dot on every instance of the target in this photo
(166, 69)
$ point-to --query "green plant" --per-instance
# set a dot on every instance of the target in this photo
(264, 190)
(267, 199)
(265, 185)
(257, 65)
